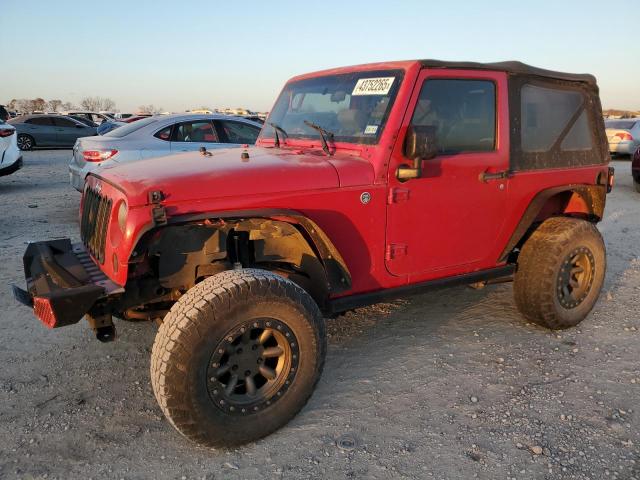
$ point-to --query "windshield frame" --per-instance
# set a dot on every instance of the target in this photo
(268, 134)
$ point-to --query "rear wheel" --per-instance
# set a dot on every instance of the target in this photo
(560, 272)
(25, 142)
(237, 357)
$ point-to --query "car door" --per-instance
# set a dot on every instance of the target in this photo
(236, 132)
(193, 134)
(446, 221)
(42, 130)
(68, 130)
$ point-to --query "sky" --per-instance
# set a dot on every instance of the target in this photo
(186, 54)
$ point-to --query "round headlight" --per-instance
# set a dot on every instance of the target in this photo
(122, 216)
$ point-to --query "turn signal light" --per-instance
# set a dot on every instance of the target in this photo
(98, 155)
(43, 310)
(6, 132)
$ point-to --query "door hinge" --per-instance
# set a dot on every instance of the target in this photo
(398, 195)
(395, 250)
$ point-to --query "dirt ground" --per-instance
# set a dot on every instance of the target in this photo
(449, 385)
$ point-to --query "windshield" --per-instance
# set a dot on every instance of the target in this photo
(130, 128)
(353, 107)
(620, 124)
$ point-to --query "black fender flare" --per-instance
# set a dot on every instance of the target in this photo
(594, 197)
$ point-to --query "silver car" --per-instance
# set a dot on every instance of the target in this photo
(623, 135)
(158, 136)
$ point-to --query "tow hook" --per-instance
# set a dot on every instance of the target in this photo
(103, 327)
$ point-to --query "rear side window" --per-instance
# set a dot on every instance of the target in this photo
(462, 111)
(40, 121)
(553, 119)
(555, 124)
(237, 132)
(194, 131)
(63, 122)
(130, 128)
(164, 134)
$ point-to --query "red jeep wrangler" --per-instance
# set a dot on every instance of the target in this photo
(367, 183)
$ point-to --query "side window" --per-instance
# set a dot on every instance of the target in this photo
(237, 132)
(45, 121)
(63, 122)
(194, 131)
(463, 113)
(549, 116)
(164, 134)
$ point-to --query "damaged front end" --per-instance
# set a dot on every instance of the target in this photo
(64, 285)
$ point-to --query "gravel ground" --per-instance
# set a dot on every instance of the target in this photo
(445, 385)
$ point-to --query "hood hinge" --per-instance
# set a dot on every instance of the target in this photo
(158, 213)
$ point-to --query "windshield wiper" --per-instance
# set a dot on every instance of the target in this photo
(322, 133)
(276, 129)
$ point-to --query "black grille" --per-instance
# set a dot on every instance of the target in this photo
(96, 212)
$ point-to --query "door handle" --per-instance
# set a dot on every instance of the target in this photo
(486, 176)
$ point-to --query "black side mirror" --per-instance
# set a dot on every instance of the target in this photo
(419, 144)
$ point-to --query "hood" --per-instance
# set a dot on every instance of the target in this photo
(192, 176)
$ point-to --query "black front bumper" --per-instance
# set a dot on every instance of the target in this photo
(63, 282)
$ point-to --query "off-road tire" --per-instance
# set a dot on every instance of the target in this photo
(539, 277)
(25, 142)
(192, 332)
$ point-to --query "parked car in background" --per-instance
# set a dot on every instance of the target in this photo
(122, 116)
(158, 136)
(623, 135)
(95, 117)
(10, 156)
(106, 127)
(49, 131)
(635, 169)
(84, 120)
(135, 118)
(253, 118)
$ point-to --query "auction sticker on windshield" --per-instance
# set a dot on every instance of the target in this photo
(373, 86)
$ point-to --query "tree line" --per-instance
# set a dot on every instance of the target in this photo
(28, 105)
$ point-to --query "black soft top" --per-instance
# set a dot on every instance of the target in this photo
(513, 67)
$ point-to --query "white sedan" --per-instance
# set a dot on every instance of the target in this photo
(623, 135)
(10, 155)
(158, 136)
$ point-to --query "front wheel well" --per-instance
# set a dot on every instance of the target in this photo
(181, 255)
